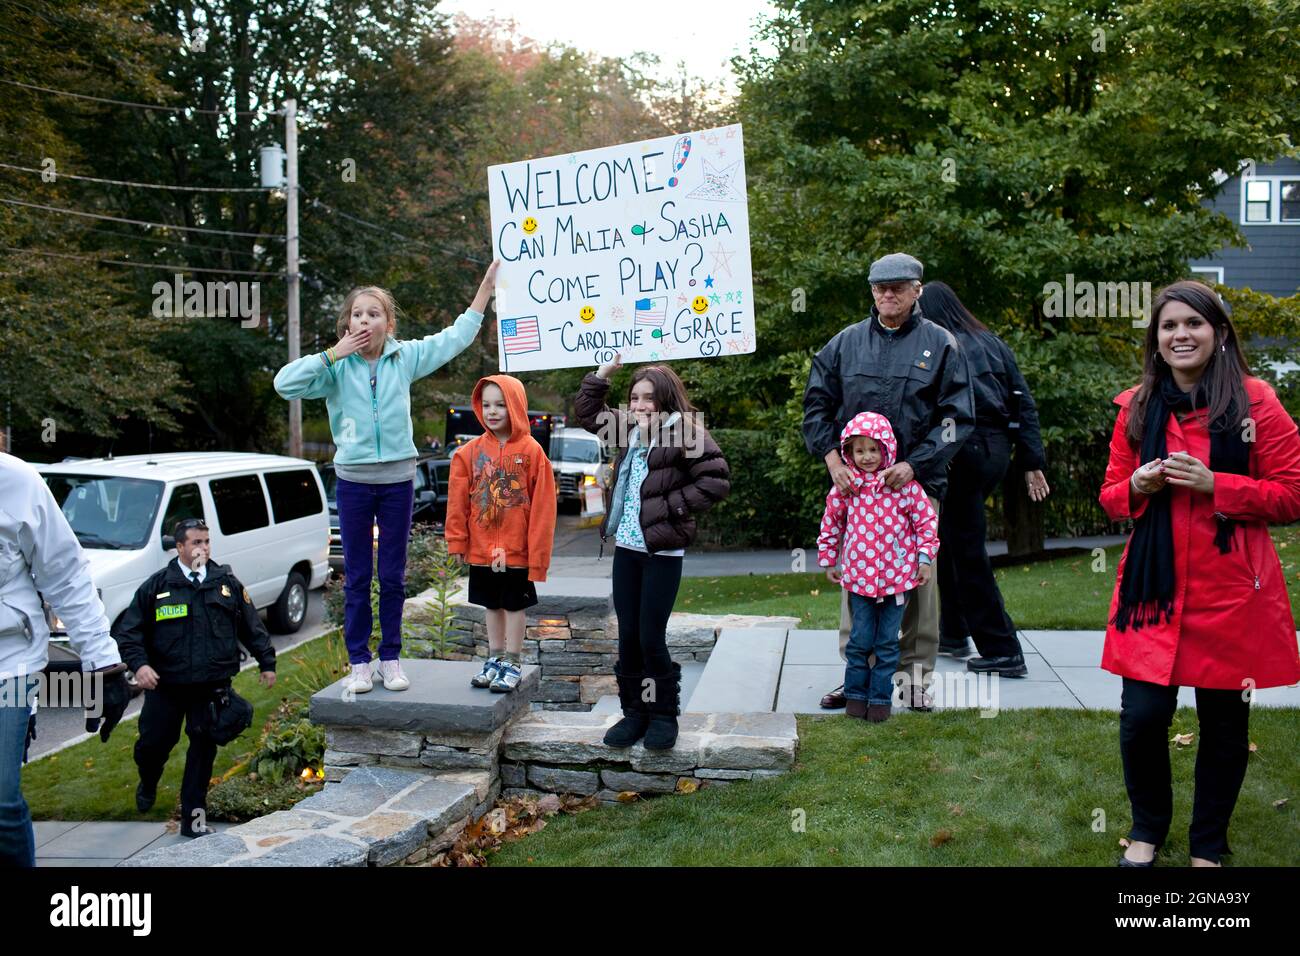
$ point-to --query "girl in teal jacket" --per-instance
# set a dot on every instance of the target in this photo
(366, 382)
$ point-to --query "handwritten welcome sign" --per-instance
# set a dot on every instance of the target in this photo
(641, 249)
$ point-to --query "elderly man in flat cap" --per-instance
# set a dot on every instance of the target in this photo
(897, 363)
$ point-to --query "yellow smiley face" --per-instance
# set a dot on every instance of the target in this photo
(530, 225)
(587, 314)
(700, 304)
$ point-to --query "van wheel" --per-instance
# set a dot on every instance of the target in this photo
(287, 613)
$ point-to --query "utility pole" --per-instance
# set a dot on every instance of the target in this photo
(291, 263)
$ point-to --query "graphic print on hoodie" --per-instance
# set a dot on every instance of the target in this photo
(501, 498)
(880, 533)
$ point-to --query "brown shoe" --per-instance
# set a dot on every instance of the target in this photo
(856, 708)
(835, 699)
(877, 713)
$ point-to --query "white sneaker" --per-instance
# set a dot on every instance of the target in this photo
(359, 679)
(390, 672)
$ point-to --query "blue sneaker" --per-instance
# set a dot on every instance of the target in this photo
(508, 677)
(488, 674)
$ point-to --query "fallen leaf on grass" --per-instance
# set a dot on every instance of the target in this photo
(1184, 740)
(940, 838)
(1279, 804)
(1253, 747)
(685, 785)
(815, 592)
(955, 809)
(549, 804)
(628, 796)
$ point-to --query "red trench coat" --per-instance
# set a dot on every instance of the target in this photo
(1232, 621)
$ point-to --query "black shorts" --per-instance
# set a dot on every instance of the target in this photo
(508, 590)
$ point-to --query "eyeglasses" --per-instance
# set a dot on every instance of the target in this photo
(897, 288)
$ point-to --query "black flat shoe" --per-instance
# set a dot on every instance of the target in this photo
(1012, 665)
(144, 799)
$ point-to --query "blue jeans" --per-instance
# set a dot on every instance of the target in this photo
(361, 506)
(17, 840)
(875, 628)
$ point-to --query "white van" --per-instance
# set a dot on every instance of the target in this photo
(266, 516)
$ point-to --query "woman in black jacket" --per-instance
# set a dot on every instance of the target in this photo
(969, 600)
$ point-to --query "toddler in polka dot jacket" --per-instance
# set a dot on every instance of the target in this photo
(882, 540)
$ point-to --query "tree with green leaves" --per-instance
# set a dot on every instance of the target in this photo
(1005, 145)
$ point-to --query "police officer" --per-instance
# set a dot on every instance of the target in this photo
(40, 556)
(181, 636)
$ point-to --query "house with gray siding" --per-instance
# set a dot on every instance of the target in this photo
(1264, 203)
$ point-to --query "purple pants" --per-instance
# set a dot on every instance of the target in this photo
(361, 507)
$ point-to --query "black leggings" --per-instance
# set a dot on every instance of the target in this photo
(1222, 751)
(645, 588)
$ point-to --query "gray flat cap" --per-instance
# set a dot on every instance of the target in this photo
(896, 267)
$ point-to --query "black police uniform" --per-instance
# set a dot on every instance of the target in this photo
(190, 634)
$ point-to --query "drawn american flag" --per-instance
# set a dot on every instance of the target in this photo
(652, 311)
(520, 335)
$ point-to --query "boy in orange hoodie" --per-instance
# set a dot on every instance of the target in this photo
(501, 521)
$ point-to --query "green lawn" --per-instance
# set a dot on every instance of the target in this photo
(1064, 594)
(940, 789)
(96, 781)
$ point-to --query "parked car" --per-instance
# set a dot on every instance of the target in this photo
(576, 458)
(432, 478)
(266, 516)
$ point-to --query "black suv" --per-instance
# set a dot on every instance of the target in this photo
(432, 476)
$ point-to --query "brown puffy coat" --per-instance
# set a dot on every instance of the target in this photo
(684, 479)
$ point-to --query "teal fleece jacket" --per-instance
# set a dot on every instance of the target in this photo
(370, 427)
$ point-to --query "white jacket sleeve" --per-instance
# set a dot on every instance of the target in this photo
(62, 573)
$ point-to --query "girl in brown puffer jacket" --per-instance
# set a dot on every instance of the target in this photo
(668, 471)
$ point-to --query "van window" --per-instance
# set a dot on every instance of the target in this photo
(294, 494)
(241, 506)
(109, 513)
(186, 502)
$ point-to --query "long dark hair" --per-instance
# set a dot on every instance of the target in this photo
(940, 305)
(669, 394)
(1223, 381)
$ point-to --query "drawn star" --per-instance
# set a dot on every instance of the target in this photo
(715, 299)
(731, 132)
(708, 282)
(729, 296)
(722, 259)
(681, 298)
(572, 159)
(616, 312)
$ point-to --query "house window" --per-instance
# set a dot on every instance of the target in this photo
(1290, 193)
(1210, 273)
(1259, 200)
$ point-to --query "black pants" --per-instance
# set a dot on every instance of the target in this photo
(969, 599)
(160, 729)
(1222, 750)
(645, 587)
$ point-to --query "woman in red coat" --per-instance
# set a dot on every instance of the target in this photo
(1203, 458)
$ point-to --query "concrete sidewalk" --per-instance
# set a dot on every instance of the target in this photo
(101, 843)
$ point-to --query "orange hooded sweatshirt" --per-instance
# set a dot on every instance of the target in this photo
(502, 496)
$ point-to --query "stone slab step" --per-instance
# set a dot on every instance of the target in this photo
(748, 741)
(440, 700)
(743, 672)
(376, 816)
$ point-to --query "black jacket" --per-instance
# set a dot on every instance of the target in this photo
(916, 377)
(681, 482)
(192, 635)
(994, 376)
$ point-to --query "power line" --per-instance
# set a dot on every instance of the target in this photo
(141, 222)
(122, 182)
(146, 106)
(316, 203)
(170, 242)
(140, 265)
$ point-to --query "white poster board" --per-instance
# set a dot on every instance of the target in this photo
(641, 248)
